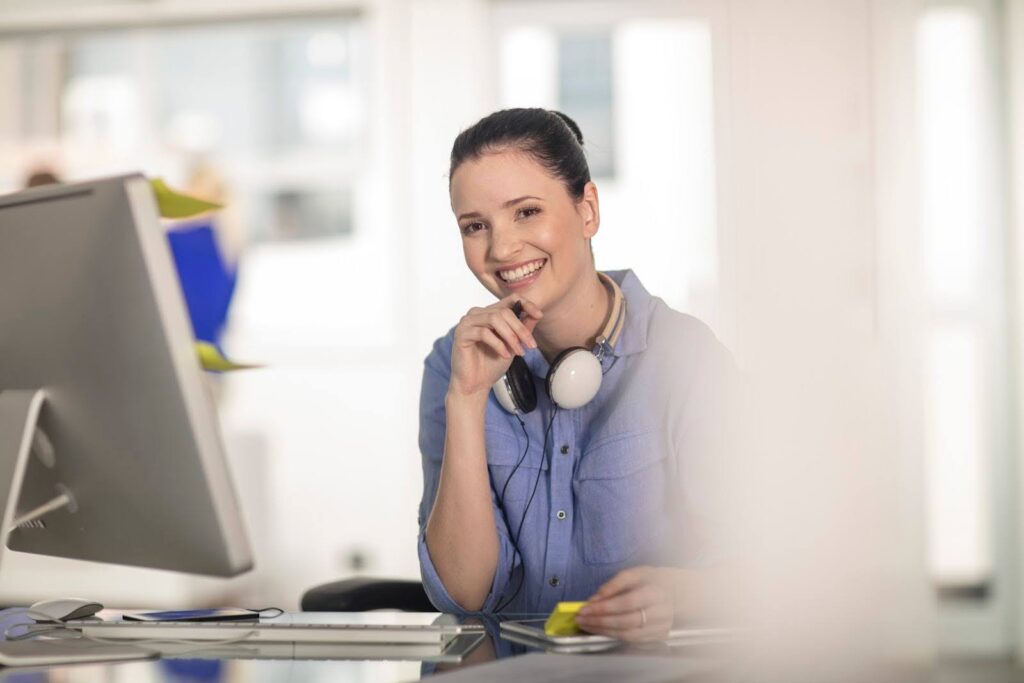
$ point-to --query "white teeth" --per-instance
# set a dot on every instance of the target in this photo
(521, 272)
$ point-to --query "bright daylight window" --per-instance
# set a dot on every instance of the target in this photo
(649, 138)
(277, 107)
(963, 370)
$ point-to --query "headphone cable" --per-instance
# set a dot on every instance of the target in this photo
(522, 520)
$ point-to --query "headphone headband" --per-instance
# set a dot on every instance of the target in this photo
(616, 318)
(576, 384)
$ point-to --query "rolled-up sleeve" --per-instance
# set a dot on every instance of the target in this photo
(436, 375)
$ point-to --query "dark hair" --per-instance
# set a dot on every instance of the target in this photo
(550, 137)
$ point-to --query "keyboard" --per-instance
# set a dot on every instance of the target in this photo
(270, 631)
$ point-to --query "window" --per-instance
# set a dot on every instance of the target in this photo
(964, 372)
(641, 92)
(279, 107)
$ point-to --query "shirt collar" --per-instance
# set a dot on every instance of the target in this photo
(634, 331)
(638, 313)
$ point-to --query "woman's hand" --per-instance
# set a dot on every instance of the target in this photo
(636, 604)
(486, 339)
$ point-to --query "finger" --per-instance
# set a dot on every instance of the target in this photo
(603, 622)
(657, 626)
(519, 328)
(497, 322)
(628, 601)
(633, 626)
(531, 309)
(487, 337)
(475, 317)
(492, 319)
(508, 302)
(629, 626)
(624, 580)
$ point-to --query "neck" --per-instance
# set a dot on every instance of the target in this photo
(576, 320)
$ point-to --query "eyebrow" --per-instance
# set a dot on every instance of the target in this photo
(511, 202)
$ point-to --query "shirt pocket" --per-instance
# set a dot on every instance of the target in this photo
(503, 453)
(621, 495)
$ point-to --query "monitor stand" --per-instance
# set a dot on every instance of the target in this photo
(20, 437)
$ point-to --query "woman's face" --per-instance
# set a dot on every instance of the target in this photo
(521, 230)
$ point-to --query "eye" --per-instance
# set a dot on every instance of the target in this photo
(528, 211)
(471, 228)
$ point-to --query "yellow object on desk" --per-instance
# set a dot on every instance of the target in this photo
(562, 621)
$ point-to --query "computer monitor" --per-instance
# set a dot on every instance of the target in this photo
(110, 448)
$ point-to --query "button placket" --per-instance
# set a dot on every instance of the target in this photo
(560, 472)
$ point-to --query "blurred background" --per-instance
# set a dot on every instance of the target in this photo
(770, 166)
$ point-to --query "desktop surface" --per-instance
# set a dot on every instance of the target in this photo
(283, 661)
(236, 671)
(491, 658)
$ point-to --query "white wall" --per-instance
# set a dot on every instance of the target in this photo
(834, 508)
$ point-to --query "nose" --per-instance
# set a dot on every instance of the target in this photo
(504, 243)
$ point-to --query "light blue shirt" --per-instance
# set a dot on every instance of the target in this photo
(620, 480)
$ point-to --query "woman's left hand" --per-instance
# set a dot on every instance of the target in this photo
(636, 604)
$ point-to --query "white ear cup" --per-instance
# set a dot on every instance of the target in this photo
(575, 380)
(503, 393)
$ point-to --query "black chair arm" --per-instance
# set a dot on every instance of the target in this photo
(363, 594)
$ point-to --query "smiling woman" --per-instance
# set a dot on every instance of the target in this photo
(602, 500)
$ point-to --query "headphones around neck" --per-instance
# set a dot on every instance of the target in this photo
(575, 374)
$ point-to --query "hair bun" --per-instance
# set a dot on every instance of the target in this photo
(550, 138)
(572, 125)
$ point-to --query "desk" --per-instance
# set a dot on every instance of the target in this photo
(707, 665)
(276, 662)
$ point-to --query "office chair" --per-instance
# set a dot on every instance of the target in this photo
(364, 594)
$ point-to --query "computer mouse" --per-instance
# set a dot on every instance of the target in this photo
(63, 609)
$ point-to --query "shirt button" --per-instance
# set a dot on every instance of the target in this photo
(554, 582)
(560, 514)
(565, 449)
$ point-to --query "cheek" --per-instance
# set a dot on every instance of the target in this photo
(476, 257)
(472, 254)
(558, 239)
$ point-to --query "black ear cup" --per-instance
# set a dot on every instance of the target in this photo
(520, 384)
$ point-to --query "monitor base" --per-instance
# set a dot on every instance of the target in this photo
(20, 436)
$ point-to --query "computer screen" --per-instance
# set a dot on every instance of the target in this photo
(110, 448)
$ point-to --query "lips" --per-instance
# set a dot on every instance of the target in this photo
(522, 272)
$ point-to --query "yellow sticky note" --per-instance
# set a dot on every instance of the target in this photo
(213, 360)
(176, 205)
(562, 621)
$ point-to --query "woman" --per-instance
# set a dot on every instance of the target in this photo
(599, 502)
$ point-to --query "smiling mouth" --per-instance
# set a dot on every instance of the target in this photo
(522, 272)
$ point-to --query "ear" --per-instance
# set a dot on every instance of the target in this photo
(590, 209)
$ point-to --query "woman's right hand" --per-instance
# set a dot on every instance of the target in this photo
(486, 339)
